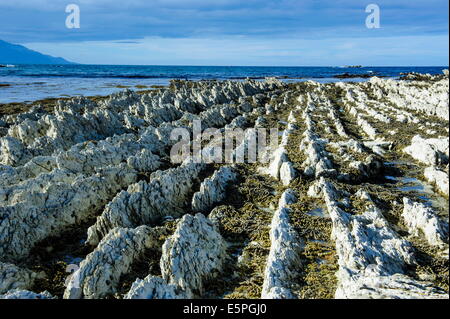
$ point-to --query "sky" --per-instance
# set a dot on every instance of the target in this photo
(233, 32)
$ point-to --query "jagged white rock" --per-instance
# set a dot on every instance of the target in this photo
(99, 274)
(13, 277)
(372, 257)
(194, 254)
(317, 162)
(213, 189)
(38, 132)
(280, 167)
(287, 173)
(45, 159)
(166, 194)
(284, 262)
(431, 151)
(155, 288)
(419, 217)
(278, 157)
(397, 286)
(25, 294)
(438, 177)
(42, 214)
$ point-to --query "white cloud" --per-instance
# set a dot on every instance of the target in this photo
(405, 50)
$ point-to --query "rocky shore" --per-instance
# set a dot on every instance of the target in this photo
(353, 202)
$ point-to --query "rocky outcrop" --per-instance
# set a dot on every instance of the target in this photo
(429, 151)
(155, 288)
(438, 178)
(318, 162)
(420, 218)
(193, 255)
(431, 99)
(280, 167)
(13, 277)
(279, 156)
(79, 120)
(373, 286)
(284, 258)
(287, 173)
(25, 294)
(166, 194)
(213, 190)
(49, 211)
(99, 274)
(372, 257)
(108, 165)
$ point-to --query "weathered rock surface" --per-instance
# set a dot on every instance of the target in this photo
(155, 288)
(287, 173)
(166, 194)
(372, 257)
(99, 274)
(98, 160)
(439, 178)
(25, 294)
(397, 286)
(193, 255)
(212, 190)
(429, 151)
(284, 258)
(60, 205)
(13, 277)
(420, 218)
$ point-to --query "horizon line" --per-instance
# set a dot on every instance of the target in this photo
(243, 66)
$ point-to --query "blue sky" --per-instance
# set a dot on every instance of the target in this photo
(232, 32)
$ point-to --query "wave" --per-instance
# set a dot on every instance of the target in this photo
(139, 76)
(198, 73)
(99, 76)
(167, 76)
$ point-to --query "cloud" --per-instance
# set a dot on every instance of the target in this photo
(244, 50)
(291, 30)
(43, 20)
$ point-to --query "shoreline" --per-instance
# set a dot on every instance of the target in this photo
(353, 202)
(31, 83)
(48, 103)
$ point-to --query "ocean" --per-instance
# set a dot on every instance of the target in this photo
(26, 83)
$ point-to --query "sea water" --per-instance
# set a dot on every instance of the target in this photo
(25, 83)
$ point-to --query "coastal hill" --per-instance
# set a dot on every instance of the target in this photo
(18, 54)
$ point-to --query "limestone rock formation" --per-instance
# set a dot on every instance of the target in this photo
(102, 175)
(99, 274)
(144, 203)
(212, 190)
(25, 294)
(154, 288)
(193, 255)
(420, 218)
(429, 151)
(439, 178)
(13, 277)
(284, 258)
(48, 211)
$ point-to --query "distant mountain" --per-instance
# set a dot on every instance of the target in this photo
(18, 54)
